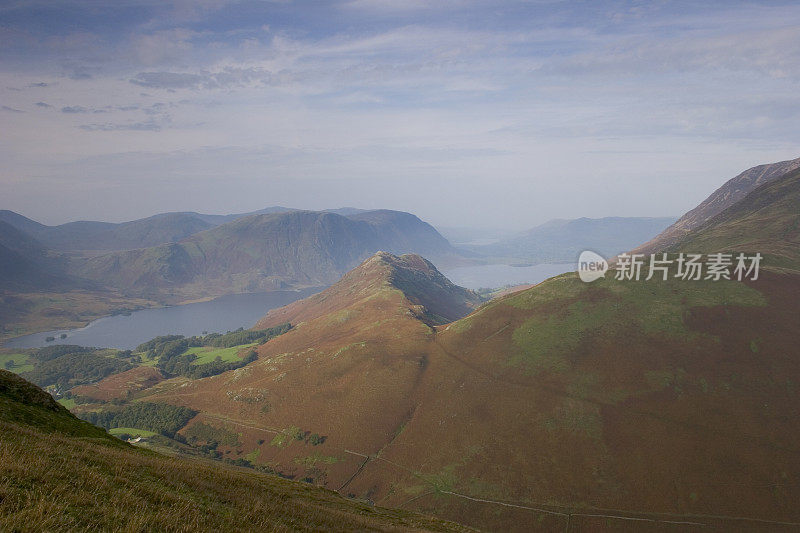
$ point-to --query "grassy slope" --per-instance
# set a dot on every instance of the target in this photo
(20, 362)
(642, 398)
(61, 473)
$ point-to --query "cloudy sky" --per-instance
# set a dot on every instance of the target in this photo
(465, 112)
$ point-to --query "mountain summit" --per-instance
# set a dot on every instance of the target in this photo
(434, 298)
(733, 191)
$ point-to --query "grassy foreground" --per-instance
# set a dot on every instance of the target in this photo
(57, 472)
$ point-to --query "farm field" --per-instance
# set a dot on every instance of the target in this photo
(207, 354)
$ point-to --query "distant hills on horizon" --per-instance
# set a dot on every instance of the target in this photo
(186, 255)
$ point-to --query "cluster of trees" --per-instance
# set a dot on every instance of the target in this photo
(70, 366)
(170, 351)
(159, 417)
(244, 336)
(51, 352)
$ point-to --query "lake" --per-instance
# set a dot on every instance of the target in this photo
(226, 313)
(480, 276)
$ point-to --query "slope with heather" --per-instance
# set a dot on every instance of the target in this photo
(62, 473)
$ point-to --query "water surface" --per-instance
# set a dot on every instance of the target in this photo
(222, 314)
(492, 276)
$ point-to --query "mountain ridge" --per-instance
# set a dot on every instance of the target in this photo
(731, 192)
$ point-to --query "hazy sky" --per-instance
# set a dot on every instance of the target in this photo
(465, 112)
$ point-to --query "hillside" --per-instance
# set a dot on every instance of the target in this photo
(263, 252)
(662, 403)
(727, 195)
(62, 473)
(564, 240)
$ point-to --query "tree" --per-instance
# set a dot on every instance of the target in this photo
(10, 364)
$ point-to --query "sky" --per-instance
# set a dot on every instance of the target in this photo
(468, 113)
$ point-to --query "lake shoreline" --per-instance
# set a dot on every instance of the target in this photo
(23, 340)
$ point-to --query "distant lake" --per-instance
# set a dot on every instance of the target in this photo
(492, 276)
(226, 313)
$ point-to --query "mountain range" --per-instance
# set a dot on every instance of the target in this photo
(93, 236)
(563, 240)
(178, 256)
(264, 252)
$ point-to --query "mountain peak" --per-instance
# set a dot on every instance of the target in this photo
(730, 193)
(436, 300)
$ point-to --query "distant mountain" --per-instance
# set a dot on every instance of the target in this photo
(729, 194)
(88, 481)
(26, 264)
(563, 240)
(20, 222)
(459, 236)
(163, 228)
(217, 220)
(261, 252)
(433, 297)
(101, 236)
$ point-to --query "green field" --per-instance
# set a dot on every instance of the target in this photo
(207, 354)
(69, 403)
(20, 362)
(133, 432)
